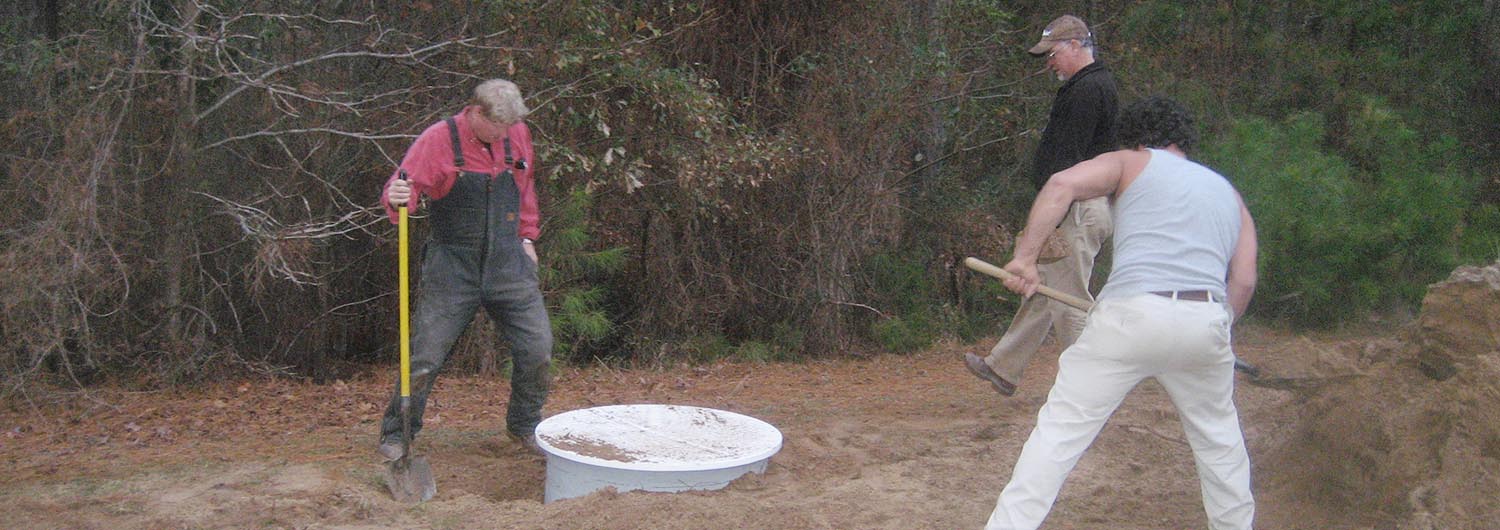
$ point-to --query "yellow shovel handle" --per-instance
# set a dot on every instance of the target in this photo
(405, 304)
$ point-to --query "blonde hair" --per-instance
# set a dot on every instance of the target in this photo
(501, 101)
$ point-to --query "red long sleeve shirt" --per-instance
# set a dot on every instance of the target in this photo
(430, 168)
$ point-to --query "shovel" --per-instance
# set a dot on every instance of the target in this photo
(409, 477)
(979, 265)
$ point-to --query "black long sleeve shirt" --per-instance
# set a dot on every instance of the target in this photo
(1082, 122)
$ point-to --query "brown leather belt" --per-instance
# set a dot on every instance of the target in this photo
(1196, 296)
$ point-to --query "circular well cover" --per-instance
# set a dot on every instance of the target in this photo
(652, 447)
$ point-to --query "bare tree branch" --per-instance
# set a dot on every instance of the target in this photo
(417, 55)
(327, 130)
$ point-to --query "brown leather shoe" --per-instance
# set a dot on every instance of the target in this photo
(983, 371)
(527, 441)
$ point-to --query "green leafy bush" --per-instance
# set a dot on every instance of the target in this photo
(570, 274)
(1155, 23)
(757, 351)
(1342, 236)
(904, 334)
(903, 294)
(901, 282)
(1479, 240)
(787, 340)
(703, 348)
(1419, 197)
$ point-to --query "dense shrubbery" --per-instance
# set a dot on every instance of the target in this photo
(1341, 237)
(192, 184)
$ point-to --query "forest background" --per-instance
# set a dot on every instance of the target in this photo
(190, 186)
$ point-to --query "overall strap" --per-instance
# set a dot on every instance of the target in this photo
(508, 160)
(458, 148)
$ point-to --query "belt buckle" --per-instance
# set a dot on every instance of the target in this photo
(1191, 296)
(1194, 296)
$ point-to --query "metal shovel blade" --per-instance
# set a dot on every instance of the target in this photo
(410, 479)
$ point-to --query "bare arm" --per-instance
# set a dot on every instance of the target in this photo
(1242, 266)
(1092, 178)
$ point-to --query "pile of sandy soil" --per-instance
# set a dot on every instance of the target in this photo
(1403, 432)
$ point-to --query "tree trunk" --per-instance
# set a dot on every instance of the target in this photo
(176, 231)
(930, 124)
(47, 17)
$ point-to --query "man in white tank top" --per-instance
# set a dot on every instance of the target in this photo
(1184, 265)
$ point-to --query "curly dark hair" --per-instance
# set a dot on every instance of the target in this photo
(1157, 122)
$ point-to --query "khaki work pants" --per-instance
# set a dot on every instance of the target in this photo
(1085, 228)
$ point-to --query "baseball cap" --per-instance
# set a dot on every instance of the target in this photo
(1064, 28)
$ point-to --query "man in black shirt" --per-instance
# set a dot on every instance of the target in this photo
(1080, 126)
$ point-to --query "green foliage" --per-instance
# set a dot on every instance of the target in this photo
(917, 313)
(731, 179)
(1479, 242)
(905, 291)
(977, 18)
(704, 348)
(787, 340)
(1340, 236)
(757, 351)
(1419, 196)
(904, 334)
(1312, 249)
(570, 273)
(714, 347)
(1154, 24)
(901, 281)
(983, 310)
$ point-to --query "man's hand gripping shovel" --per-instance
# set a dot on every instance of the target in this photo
(409, 477)
(987, 269)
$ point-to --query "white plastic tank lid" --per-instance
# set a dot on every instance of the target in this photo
(658, 437)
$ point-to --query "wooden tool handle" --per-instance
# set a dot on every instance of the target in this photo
(979, 265)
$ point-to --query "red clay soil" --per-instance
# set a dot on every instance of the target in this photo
(1349, 430)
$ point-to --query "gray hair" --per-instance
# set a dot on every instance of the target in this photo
(501, 101)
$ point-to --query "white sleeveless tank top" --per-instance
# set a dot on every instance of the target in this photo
(1176, 226)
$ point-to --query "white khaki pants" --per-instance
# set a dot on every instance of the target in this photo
(1185, 346)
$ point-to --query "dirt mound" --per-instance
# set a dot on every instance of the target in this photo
(1405, 429)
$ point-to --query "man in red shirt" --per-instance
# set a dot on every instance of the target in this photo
(476, 169)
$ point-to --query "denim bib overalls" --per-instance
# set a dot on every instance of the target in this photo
(474, 259)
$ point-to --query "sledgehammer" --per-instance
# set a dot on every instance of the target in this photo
(981, 266)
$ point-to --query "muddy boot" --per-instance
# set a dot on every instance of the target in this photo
(526, 441)
(390, 449)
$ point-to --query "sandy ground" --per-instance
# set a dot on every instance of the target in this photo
(870, 442)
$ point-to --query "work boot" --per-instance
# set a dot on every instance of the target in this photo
(527, 442)
(390, 450)
(982, 370)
